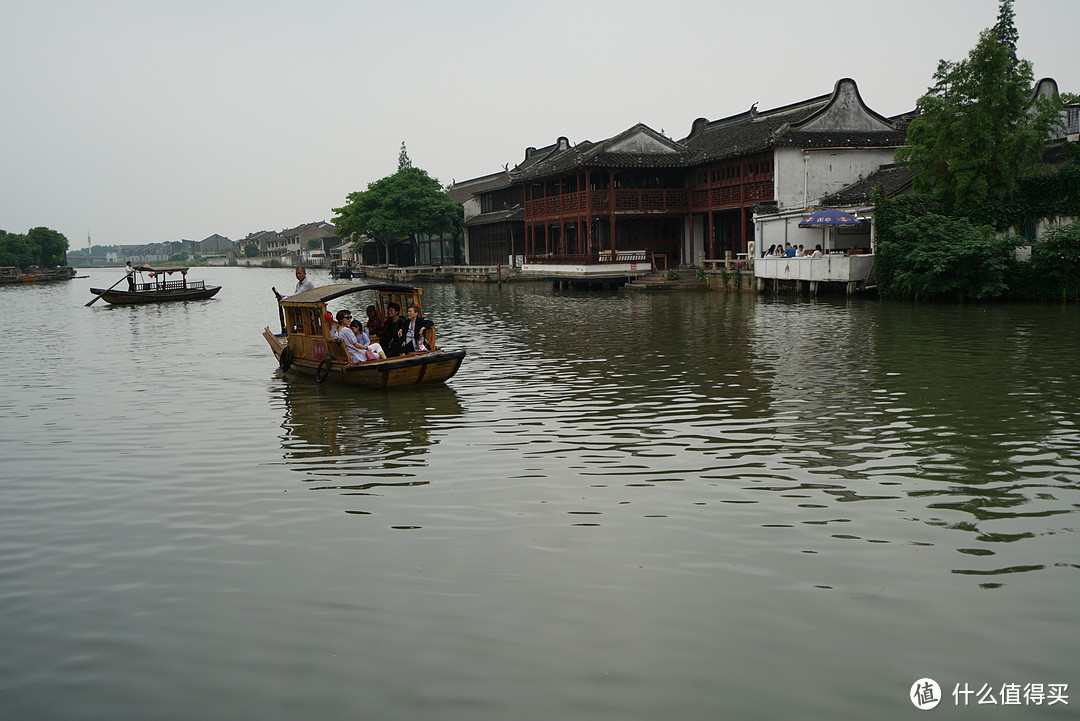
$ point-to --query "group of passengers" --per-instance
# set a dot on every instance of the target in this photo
(382, 339)
(787, 250)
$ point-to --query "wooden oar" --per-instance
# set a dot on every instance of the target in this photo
(98, 297)
(280, 312)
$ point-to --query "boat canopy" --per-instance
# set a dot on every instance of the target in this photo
(147, 268)
(329, 292)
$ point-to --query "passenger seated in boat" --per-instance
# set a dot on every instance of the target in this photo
(363, 339)
(374, 320)
(391, 343)
(412, 332)
(357, 351)
(344, 318)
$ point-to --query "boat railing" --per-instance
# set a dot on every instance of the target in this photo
(170, 285)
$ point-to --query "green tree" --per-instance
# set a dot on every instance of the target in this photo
(52, 246)
(976, 132)
(923, 256)
(251, 250)
(40, 246)
(1054, 269)
(403, 205)
(16, 250)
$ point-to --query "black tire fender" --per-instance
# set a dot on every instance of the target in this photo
(323, 370)
(285, 359)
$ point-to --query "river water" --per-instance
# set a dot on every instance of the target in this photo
(624, 506)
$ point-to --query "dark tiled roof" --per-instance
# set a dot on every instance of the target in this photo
(498, 216)
(638, 160)
(1055, 154)
(892, 179)
(609, 153)
(839, 119)
(841, 139)
(460, 192)
(746, 133)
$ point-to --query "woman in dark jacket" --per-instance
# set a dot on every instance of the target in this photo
(411, 332)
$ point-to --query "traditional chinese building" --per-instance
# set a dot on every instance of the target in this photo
(683, 201)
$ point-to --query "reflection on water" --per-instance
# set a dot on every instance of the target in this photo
(968, 411)
(847, 420)
(359, 441)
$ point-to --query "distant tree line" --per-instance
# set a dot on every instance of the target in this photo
(41, 247)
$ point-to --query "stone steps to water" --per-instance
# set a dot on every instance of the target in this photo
(659, 281)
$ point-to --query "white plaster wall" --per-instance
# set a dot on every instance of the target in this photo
(802, 182)
(471, 207)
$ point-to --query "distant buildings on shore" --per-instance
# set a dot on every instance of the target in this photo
(313, 244)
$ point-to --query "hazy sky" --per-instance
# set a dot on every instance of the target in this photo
(139, 121)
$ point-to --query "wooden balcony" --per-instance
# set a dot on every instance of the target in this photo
(648, 201)
(573, 205)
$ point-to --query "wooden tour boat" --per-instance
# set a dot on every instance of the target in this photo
(12, 274)
(306, 346)
(158, 289)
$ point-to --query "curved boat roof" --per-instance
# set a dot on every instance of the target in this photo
(326, 293)
(146, 267)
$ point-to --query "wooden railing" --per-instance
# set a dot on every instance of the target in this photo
(622, 256)
(673, 200)
(663, 200)
(730, 261)
(170, 285)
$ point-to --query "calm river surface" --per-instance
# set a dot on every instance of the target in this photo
(624, 506)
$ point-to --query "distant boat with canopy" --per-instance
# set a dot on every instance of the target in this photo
(156, 284)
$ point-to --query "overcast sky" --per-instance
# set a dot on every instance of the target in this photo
(139, 121)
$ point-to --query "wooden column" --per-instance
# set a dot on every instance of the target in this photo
(742, 229)
(588, 213)
(710, 244)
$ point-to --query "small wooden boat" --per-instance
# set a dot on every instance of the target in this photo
(159, 289)
(305, 345)
(344, 269)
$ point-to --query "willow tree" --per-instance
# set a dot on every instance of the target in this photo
(977, 128)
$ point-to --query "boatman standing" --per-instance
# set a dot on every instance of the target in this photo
(130, 276)
(302, 282)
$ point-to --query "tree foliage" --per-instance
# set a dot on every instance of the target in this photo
(400, 206)
(924, 255)
(1053, 273)
(40, 247)
(976, 132)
